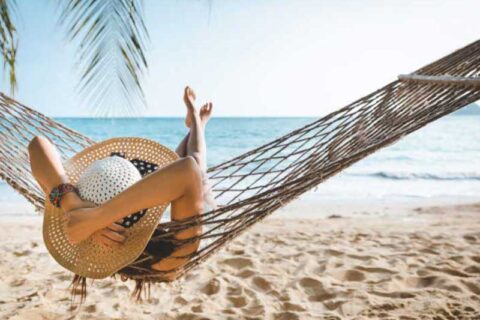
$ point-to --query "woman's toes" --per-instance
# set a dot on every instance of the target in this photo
(191, 92)
(190, 95)
(209, 109)
(205, 112)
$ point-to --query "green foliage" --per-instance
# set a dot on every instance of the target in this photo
(8, 41)
(112, 41)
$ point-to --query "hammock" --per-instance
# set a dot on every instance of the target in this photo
(251, 186)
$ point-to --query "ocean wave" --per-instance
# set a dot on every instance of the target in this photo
(420, 175)
(395, 158)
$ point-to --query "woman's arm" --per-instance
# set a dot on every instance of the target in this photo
(48, 170)
(178, 182)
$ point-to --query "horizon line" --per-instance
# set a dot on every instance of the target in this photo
(174, 117)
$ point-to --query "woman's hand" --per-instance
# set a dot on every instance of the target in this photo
(81, 223)
(111, 236)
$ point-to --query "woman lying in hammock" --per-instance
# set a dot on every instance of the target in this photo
(182, 183)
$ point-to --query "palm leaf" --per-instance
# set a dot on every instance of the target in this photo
(8, 42)
(112, 37)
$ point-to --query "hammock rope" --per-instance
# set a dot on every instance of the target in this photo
(252, 185)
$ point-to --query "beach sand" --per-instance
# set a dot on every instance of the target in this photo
(424, 264)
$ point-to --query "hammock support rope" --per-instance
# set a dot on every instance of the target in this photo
(251, 186)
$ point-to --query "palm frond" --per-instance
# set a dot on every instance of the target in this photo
(8, 41)
(112, 40)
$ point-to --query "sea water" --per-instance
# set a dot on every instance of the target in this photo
(440, 162)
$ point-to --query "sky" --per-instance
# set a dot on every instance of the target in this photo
(252, 58)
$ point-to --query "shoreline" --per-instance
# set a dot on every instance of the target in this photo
(308, 206)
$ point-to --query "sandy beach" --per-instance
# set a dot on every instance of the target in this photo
(424, 264)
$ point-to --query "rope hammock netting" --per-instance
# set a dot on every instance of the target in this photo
(252, 185)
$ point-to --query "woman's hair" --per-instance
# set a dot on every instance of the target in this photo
(141, 285)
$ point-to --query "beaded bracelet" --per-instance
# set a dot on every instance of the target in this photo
(57, 193)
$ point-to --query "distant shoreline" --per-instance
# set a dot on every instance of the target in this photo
(455, 114)
(183, 117)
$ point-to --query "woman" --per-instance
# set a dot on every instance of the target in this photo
(182, 183)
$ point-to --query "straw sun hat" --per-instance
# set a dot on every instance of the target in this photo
(100, 172)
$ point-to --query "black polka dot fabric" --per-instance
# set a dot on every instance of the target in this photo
(144, 168)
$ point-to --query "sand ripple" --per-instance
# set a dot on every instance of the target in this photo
(426, 267)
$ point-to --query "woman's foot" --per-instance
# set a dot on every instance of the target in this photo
(189, 99)
(205, 113)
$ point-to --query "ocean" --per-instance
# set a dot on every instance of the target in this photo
(438, 163)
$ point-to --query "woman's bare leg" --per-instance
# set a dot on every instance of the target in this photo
(182, 146)
(192, 145)
(196, 145)
(205, 113)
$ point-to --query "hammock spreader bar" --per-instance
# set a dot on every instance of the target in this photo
(443, 80)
